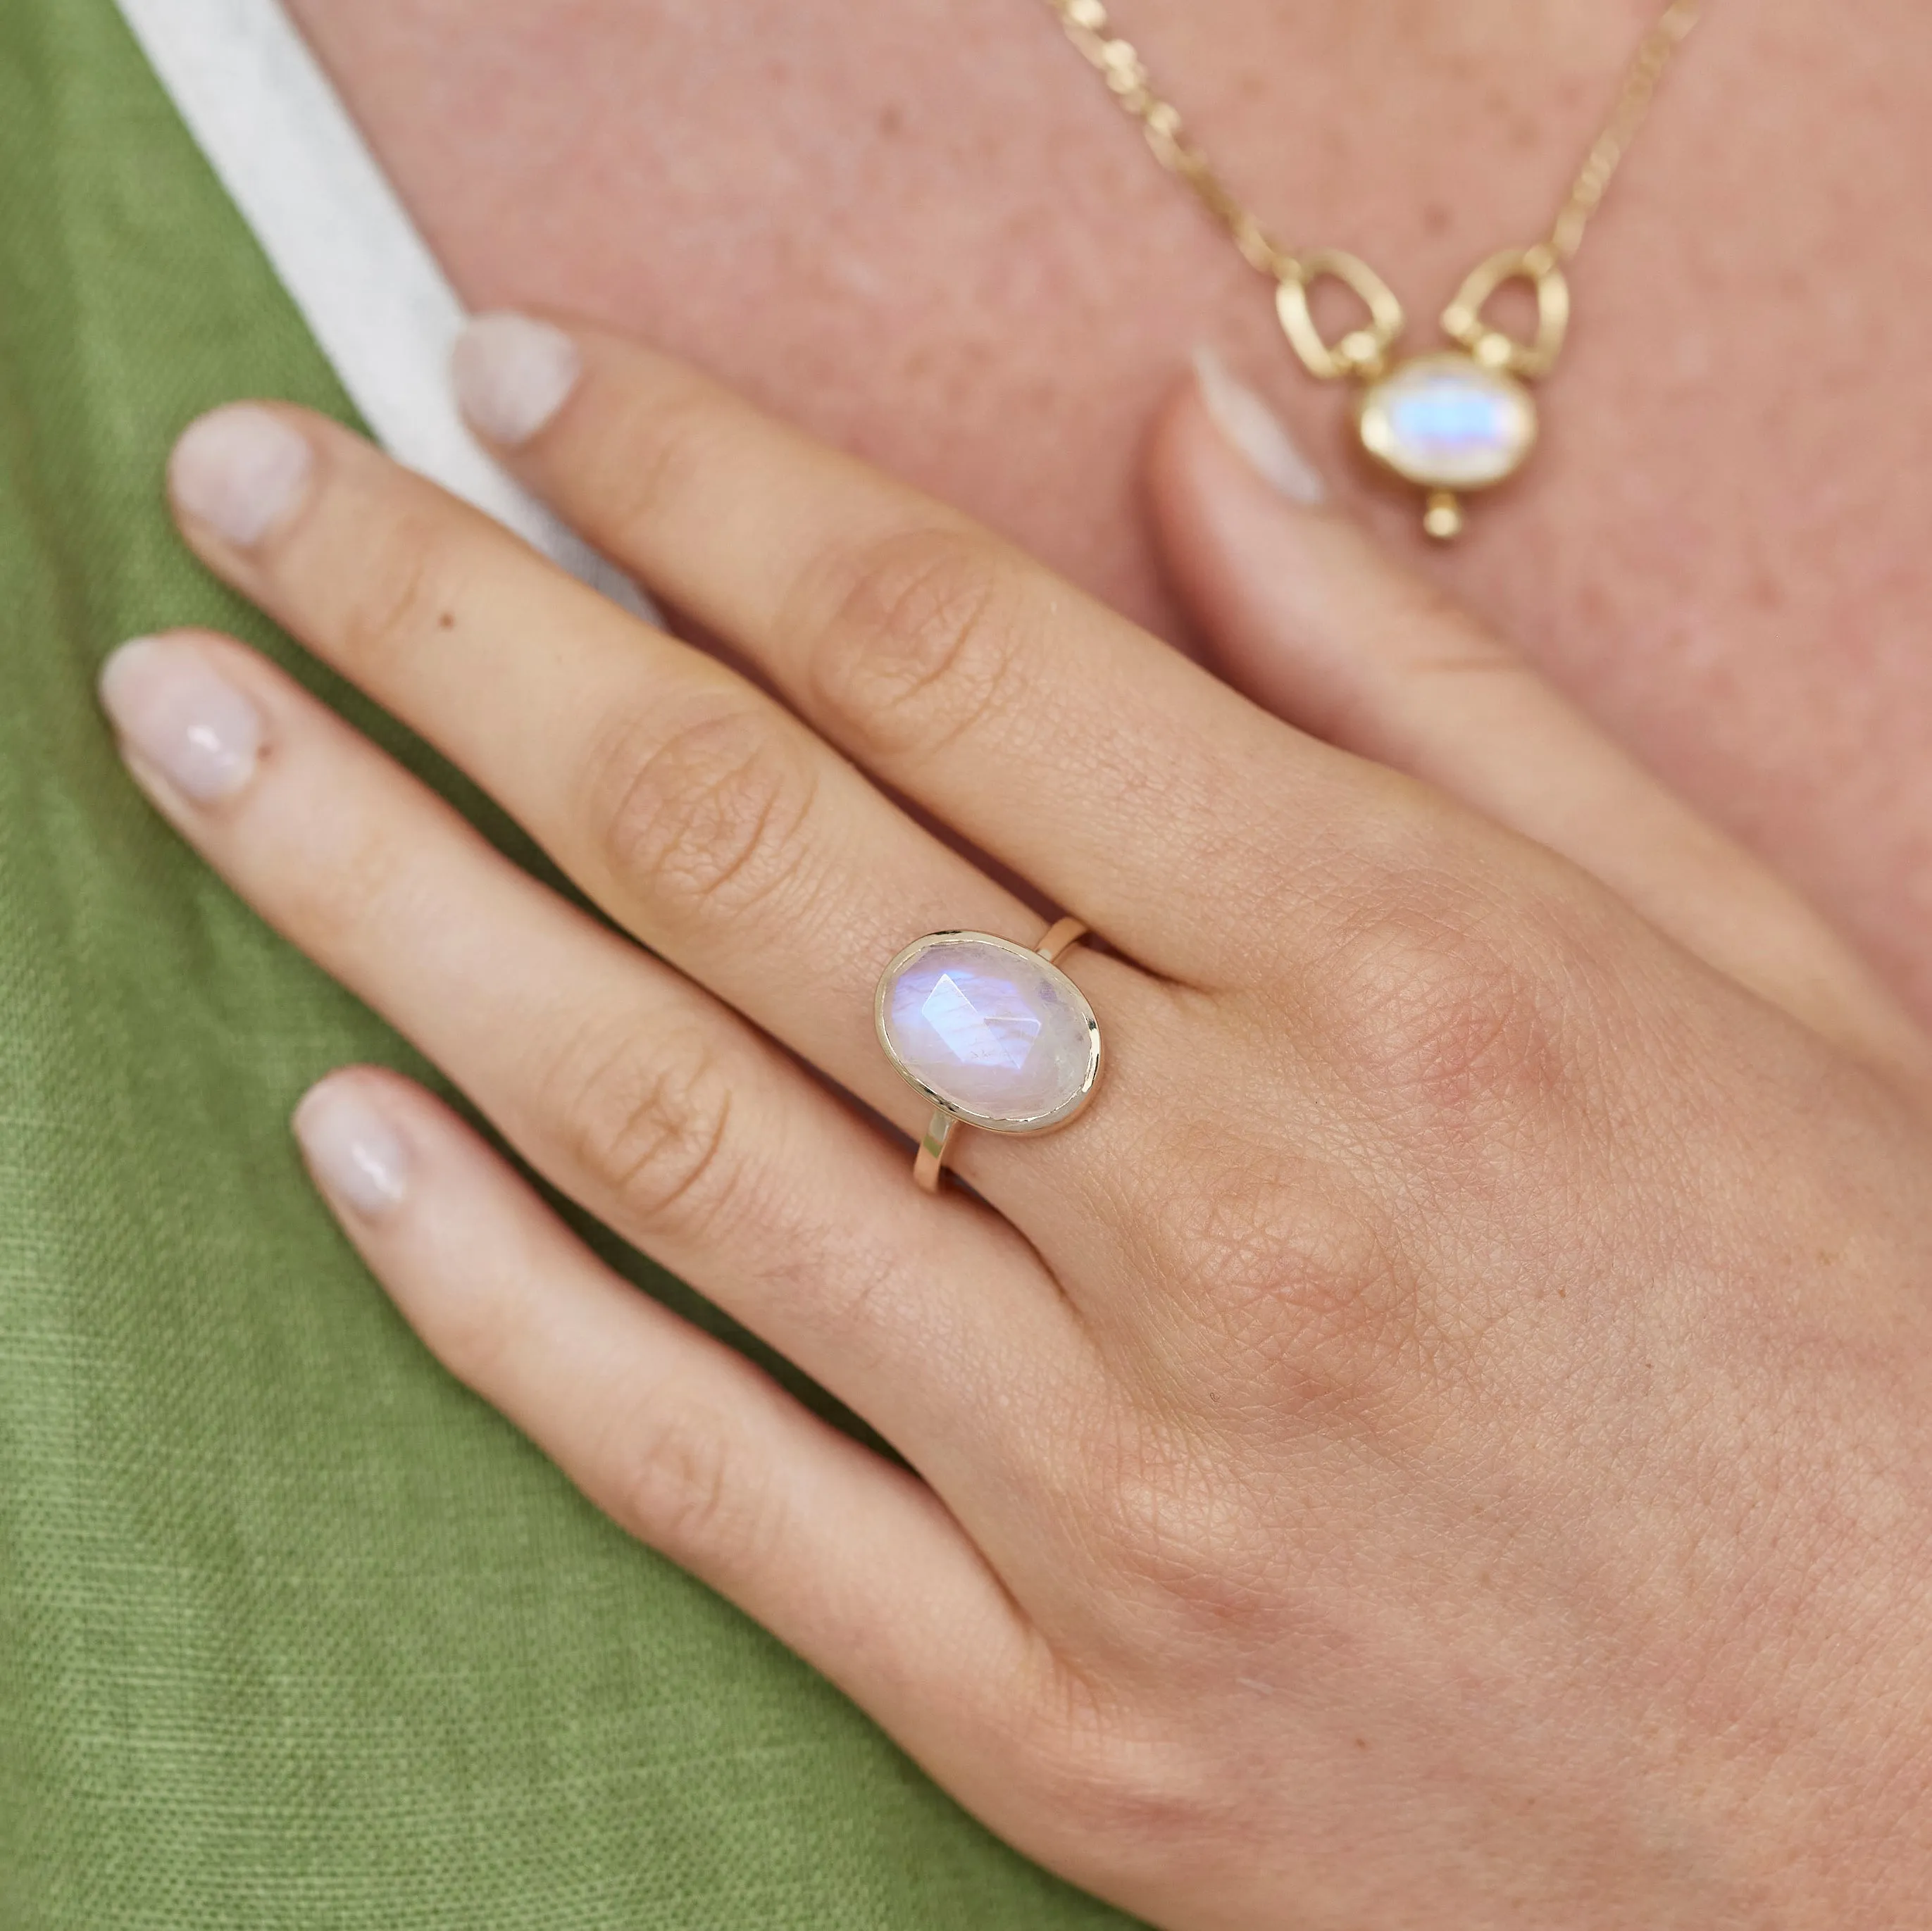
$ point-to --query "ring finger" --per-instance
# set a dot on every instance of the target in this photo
(628, 1087)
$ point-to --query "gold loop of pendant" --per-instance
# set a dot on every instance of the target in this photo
(1462, 319)
(1362, 351)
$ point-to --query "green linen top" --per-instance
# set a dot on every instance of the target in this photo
(295, 1632)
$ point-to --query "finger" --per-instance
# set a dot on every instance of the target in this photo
(1306, 612)
(629, 1088)
(1070, 745)
(847, 1559)
(700, 813)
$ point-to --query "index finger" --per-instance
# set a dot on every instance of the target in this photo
(1127, 784)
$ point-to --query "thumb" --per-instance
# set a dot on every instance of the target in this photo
(1302, 610)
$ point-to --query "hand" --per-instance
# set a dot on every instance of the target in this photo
(1444, 1439)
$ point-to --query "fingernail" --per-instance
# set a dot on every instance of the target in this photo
(178, 714)
(1256, 432)
(357, 1157)
(513, 375)
(240, 471)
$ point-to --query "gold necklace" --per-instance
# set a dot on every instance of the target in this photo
(1452, 420)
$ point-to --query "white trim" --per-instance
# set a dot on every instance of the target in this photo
(382, 310)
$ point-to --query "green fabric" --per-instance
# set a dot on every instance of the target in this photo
(293, 1631)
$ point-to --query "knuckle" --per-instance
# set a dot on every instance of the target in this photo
(1115, 1783)
(918, 640)
(475, 1336)
(1179, 1519)
(710, 816)
(350, 876)
(1286, 1257)
(1444, 1034)
(1289, 1271)
(855, 1295)
(652, 1128)
(660, 453)
(1431, 644)
(1419, 620)
(1466, 651)
(1442, 1010)
(401, 583)
(683, 1479)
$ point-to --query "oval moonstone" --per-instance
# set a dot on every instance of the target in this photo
(989, 1030)
(1447, 422)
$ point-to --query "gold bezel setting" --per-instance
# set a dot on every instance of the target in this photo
(1381, 437)
(1036, 961)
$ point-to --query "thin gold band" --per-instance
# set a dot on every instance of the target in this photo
(929, 1163)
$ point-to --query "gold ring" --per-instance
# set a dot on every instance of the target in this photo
(996, 1036)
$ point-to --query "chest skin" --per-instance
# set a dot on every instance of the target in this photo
(919, 227)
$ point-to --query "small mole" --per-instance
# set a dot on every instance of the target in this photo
(447, 621)
(891, 121)
(1361, 1743)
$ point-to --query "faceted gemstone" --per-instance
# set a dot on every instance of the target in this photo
(1447, 422)
(990, 1030)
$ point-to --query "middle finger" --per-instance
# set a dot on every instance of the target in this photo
(697, 810)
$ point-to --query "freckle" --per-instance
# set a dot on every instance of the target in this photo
(447, 621)
(891, 121)
(1361, 1743)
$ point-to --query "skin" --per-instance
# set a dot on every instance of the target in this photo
(1444, 1439)
(924, 232)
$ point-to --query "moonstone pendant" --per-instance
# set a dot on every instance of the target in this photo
(989, 1031)
(1449, 423)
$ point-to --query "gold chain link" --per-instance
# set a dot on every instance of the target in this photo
(1668, 32)
(1119, 65)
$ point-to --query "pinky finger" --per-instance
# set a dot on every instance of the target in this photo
(845, 1557)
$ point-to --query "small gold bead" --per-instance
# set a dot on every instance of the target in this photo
(1442, 517)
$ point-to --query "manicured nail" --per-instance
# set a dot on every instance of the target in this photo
(357, 1157)
(513, 375)
(176, 712)
(1256, 432)
(240, 470)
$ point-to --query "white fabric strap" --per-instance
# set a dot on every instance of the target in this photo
(264, 113)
